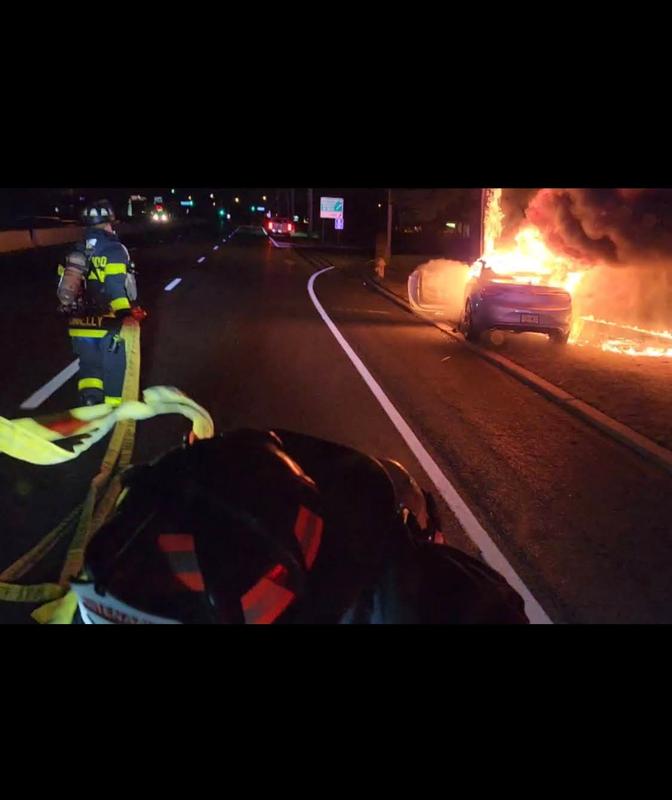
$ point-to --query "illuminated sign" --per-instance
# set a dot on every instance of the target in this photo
(187, 203)
(331, 207)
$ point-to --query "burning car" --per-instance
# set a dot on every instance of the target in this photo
(518, 302)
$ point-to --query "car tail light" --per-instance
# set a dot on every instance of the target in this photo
(289, 228)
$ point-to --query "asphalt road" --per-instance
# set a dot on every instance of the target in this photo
(584, 522)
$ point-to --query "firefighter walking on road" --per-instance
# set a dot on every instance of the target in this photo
(96, 291)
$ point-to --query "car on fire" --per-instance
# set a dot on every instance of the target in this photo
(518, 303)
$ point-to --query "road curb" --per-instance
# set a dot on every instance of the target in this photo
(641, 444)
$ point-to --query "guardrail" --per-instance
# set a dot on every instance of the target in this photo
(11, 241)
(16, 241)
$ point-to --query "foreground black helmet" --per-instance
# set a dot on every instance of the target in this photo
(97, 213)
(223, 531)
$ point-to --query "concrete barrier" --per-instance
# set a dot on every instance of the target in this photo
(11, 241)
(14, 241)
(44, 237)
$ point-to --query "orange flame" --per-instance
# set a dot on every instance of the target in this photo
(635, 328)
(529, 260)
(629, 348)
(493, 220)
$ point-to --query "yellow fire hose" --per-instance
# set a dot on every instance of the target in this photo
(36, 440)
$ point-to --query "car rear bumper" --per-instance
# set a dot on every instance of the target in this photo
(490, 315)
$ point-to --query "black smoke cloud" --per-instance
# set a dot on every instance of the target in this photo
(617, 227)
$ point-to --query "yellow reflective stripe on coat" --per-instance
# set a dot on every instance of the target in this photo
(101, 273)
(120, 303)
(93, 333)
(89, 383)
(112, 401)
(115, 269)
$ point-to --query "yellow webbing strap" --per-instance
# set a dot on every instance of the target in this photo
(36, 440)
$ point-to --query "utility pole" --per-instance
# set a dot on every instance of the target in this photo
(310, 211)
(292, 212)
(388, 246)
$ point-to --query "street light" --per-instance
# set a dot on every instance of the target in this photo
(264, 198)
(236, 199)
(212, 196)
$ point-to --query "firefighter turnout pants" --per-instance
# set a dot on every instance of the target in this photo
(102, 365)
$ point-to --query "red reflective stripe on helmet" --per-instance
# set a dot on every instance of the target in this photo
(277, 574)
(265, 601)
(192, 580)
(176, 542)
(180, 551)
(308, 530)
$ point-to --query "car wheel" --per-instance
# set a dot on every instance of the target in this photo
(471, 331)
(558, 337)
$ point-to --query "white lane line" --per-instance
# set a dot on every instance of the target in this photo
(169, 287)
(281, 245)
(37, 398)
(201, 259)
(472, 527)
(231, 235)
